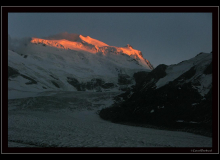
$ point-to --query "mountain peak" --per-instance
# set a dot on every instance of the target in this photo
(77, 42)
(129, 46)
(92, 41)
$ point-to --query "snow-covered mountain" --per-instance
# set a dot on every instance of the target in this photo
(71, 62)
(176, 96)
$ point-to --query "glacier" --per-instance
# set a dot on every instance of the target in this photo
(70, 119)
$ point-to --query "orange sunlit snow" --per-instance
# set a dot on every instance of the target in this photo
(88, 44)
(92, 41)
(64, 44)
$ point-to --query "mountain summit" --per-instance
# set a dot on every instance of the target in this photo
(91, 45)
(71, 62)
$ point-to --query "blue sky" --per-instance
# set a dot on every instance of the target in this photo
(163, 38)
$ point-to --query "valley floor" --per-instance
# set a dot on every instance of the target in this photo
(70, 119)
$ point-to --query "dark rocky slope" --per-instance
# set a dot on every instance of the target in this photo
(177, 105)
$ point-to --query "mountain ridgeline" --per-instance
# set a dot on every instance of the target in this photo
(176, 97)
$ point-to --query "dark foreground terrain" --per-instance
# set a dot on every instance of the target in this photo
(175, 97)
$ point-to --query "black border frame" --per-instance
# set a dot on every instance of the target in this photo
(154, 9)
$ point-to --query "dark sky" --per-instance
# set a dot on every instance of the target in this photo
(163, 38)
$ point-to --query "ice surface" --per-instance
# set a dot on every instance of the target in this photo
(70, 119)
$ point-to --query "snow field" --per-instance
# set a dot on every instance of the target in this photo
(43, 62)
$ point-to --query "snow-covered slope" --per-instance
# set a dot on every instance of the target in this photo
(71, 63)
(199, 64)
